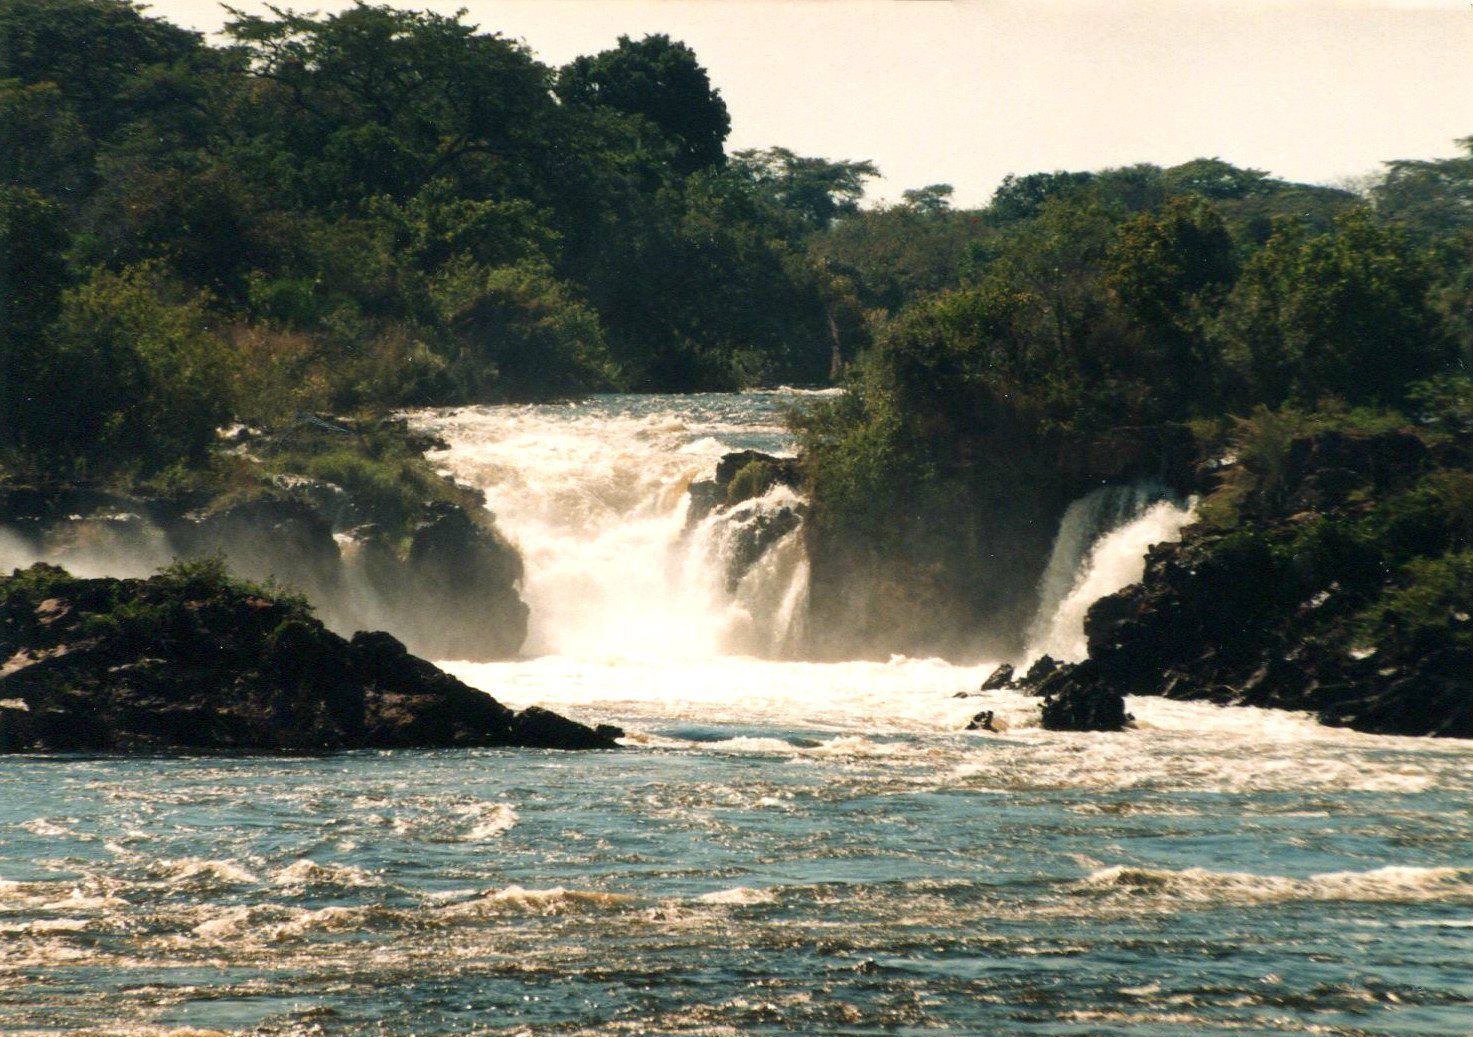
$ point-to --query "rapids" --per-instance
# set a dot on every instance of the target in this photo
(782, 847)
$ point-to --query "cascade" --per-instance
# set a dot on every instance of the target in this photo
(1100, 548)
(594, 496)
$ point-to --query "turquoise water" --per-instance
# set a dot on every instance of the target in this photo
(780, 847)
(895, 884)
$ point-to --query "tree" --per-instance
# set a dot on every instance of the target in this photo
(1214, 178)
(815, 190)
(90, 49)
(1020, 197)
(1429, 199)
(46, 148)
(133, 378)
(932, 200)
(33, 274)
(377, 100)
(657, 79)
(1169, 271)
(520, 335)
(1342, 314)
(1058, 257)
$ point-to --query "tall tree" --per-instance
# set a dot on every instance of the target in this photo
(1342, 314)
(90, 49)
(658, 79)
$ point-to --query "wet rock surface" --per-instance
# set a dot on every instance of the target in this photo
(741, 476)
(192, 660)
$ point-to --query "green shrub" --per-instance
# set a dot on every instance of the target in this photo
(135, 379)
(753, 480)
(1430, 604)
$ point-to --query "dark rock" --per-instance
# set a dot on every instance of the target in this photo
(286, 538)
(1430, 695)
(462, 579)
(1267, 614)
(1085, 706)
(999, 678)
(538, 727)
(190, 659)
(1042, 668)
(739, 477)
(982, 722)
(752, 538)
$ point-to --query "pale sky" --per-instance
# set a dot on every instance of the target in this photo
(966, 91)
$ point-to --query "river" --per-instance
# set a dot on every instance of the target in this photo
(782, 846)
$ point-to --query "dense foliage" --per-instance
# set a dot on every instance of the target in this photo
(374, 208)
(1075, 304)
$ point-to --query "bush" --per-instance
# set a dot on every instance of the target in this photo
(135, 379)
(520, 335)
(1430, 605)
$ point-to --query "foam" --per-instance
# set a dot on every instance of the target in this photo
(201, 871)
(307, 872)
(1393, 884)
(488, 820)
(738, 896)
(520, 900)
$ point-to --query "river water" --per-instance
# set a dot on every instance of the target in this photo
(781, 847)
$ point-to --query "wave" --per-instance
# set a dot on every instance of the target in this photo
(739, 896)
(520, 900)
(202, 871)
(307, 872)
(488, 820)
(1393, 884)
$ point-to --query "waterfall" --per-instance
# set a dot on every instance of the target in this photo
(1100, 548)
(594, 496)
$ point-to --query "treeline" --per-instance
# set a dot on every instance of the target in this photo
(1025, 352)
(385, 208)
(1076, 303)
(375, 208)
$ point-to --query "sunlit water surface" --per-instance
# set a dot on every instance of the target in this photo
(780, 848)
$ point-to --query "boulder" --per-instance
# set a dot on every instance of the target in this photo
(741, 476)
(753, 536)
(1001, 677)
(1080, 701)
(192, 660)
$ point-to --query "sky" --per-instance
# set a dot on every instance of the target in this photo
(967, 91)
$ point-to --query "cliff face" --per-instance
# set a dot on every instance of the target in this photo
(417, 557)
(956, 575)
(1343, 586)
(190, 659)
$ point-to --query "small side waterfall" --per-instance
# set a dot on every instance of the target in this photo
(1100, 548)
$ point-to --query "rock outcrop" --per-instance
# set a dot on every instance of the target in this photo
(434, 571)
(1343, 587)
(753, 523)
(192, 660)
(953, 568)
(741, 476)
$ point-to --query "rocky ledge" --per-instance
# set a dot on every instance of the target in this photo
(1342, 587)
(193, 660)
(347, 512)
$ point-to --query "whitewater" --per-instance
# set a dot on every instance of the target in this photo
(781, 846)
